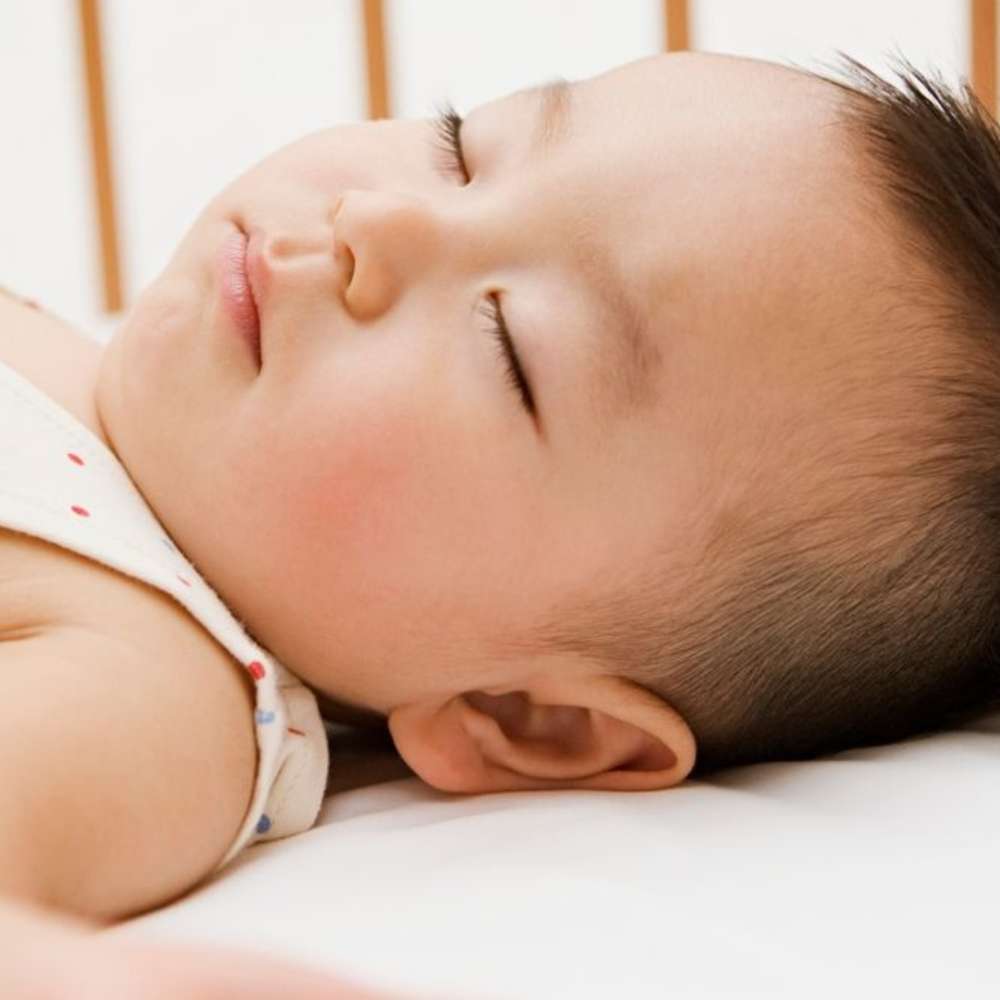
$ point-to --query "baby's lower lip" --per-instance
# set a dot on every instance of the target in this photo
(234, 290)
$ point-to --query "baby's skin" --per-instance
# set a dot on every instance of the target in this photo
(48, 957)
(393, 498)
(387, 508)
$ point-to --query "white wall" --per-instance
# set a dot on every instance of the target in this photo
(198, 91)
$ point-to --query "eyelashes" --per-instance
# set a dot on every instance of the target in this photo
(447, 125)
(501, 335)
(447, 128)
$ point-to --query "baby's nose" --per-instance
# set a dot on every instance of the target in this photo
(382, 240)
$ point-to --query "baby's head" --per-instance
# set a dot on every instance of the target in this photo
(735, 496)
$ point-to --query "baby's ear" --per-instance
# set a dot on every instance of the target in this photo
(601, 732)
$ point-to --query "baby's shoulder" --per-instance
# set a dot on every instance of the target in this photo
(53, 355)
(12, 297)
(121, 744)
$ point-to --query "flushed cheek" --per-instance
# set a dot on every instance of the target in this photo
(366, 496)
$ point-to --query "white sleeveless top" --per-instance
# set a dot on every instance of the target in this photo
(62, 484)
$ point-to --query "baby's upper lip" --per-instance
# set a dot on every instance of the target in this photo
(258, 273)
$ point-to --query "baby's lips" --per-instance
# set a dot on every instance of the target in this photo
(258, 269)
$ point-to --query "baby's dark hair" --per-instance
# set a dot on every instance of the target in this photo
(864, 619)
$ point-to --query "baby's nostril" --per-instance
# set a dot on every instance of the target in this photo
(345, 260)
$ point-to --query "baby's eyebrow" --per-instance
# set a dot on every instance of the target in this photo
(626, 357)
(624, 352)
(554, 112)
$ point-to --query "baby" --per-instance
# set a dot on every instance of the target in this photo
(627, 424)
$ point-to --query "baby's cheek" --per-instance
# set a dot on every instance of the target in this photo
(364, 499)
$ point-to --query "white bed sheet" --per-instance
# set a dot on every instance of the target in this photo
(869, 873)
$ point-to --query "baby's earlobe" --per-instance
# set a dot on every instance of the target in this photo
(435, 742)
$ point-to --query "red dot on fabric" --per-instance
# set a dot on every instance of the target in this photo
(187, 583)
(74, 458)
(256, 669)
(82, 511)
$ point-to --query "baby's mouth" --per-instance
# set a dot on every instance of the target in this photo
(236, 290)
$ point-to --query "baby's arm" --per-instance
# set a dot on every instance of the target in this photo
(46, 958)
(125, 778)
(125, 775)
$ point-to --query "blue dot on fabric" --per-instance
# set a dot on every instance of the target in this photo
(263, 716)
(264, 823)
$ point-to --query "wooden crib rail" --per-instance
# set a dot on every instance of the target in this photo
(375, 59)
(983, 51)
(102, 176)
(676, 36)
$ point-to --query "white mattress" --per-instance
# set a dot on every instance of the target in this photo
(870, 873)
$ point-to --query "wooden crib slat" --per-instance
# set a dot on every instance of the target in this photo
(100, 148)
(676, 25)
(375, 52)
(983, 46)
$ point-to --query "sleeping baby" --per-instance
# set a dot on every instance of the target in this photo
(622, 430)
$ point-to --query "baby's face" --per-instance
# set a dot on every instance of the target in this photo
(377, 503)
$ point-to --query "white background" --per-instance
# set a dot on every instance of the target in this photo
(199, 91)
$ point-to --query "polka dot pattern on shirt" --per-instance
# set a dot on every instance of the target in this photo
(82, 498)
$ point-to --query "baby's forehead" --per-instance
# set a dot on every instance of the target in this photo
(731, 219)
(761, 271)
(716, 85)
